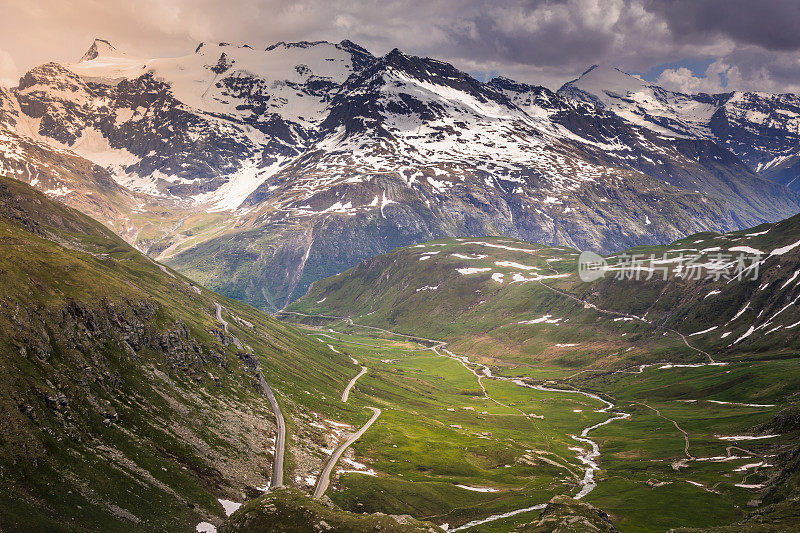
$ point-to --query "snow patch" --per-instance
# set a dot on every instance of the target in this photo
(511, 264)
(428, 288)
(467, 271)
(229, 506)
(746, 437)
(477, 489)
(704, 331)
(544, 319)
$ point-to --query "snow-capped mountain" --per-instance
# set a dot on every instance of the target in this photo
(762, 129)
(185, 126)
(267, 168)
(61, 173)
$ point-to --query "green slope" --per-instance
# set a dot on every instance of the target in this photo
(482, 308)
(124, 405)
(658, 468)
(290, 511)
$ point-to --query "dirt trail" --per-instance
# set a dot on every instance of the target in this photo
(623, 315)
(685, 434)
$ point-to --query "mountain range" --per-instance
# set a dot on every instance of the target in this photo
(258, 170)
(761, 129)
(441, 363)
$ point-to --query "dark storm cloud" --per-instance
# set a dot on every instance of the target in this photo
(752, 44)
(771, 24)
(553, 41)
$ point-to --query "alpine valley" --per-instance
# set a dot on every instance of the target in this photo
(434, 359)
(257, 170)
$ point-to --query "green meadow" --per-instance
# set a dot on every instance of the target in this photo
(439, 430)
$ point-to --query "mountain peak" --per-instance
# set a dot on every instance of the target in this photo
(297, 44)
(588, 70)
(100, 48)
(397, 58)
(595, 84)
(354, 48)
(396, 53)
(608, 75)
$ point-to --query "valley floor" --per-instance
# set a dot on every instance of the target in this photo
(474, 448)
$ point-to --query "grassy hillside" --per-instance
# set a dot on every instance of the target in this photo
(479, 292)
(454, 446)
(127, 404)
(421, 290)
(700, 367)
(290, 511)
(124, 403)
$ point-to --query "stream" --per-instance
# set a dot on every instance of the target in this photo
(587, 456)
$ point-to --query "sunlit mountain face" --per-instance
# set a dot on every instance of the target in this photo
(412, 267)
(305, 158)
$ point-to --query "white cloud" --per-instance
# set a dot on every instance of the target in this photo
(743, 69)
(9, 75)
(683, 80)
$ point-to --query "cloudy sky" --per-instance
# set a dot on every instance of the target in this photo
(689, 45)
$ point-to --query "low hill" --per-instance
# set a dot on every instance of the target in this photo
(290, 511)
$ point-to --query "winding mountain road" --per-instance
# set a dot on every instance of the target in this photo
(588, 458)
(280, 438)
(218, 311)
(346, 393)
(325, 477)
